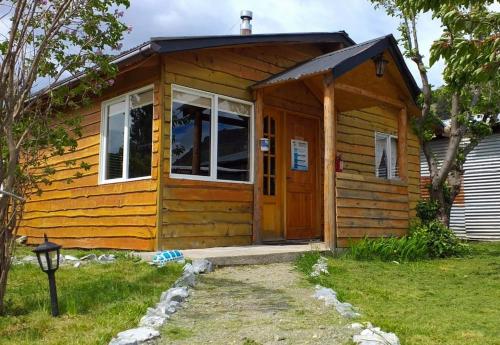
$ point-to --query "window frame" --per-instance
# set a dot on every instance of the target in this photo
(388, 147)
(214, 97)
(126, 137)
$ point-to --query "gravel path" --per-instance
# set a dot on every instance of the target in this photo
(253, 305)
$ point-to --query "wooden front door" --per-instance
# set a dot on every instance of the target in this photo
(302, 206)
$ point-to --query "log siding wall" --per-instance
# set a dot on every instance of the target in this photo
(367, 205)
(86, 214)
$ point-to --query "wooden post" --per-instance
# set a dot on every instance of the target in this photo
(402, 144)
(258, 167)
(329, 195)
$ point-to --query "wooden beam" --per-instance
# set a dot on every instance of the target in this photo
(258, 167)
(365, 93)
(329, 125)
(315, 89)
(402, 144)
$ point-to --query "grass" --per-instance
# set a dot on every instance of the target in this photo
(446, 301)
(96, 301)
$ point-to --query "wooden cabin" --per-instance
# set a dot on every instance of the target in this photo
(233, 140)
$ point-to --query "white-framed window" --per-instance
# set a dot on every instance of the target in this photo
(211, 136)
(127, 137)
(386, 156)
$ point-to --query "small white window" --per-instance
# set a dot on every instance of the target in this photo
(386, 156)
(211, 136)
(127, 137)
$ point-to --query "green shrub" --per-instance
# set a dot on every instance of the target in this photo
(427, 210)
(425, 241)
(441, 241)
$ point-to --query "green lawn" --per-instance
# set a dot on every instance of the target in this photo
(448, 301)
(96, 301)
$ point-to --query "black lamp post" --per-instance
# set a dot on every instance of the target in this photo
(48, 254)
(380, 64)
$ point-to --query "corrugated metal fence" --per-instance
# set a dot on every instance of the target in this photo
(478, 217)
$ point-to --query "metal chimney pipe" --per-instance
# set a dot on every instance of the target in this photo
(246, 26)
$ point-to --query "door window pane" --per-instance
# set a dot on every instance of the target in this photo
(141, 134)
(191, 134)
(114, 145)
(233, 143)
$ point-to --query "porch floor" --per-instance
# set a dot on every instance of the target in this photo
(247, 255)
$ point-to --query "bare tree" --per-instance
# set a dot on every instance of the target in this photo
(47, 41)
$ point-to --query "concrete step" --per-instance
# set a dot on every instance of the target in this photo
(247, 255)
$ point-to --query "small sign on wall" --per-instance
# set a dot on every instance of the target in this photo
(300, 156)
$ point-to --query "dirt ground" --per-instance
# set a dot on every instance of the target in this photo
(252, 305)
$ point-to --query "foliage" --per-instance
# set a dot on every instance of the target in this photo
(428, 239)
(440, 240)
(427, 210)
(408, 248)
(433, 302)
(96, 300)
(46, 42)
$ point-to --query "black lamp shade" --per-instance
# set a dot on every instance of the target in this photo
(380, 64)
(48, 255)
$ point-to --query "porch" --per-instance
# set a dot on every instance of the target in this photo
(334, 106)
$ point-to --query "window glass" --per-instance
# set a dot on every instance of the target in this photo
(381, 156)
(233, 146)
(141, 134)
(386, 154)
(394, 157)
(191, 124)
(114, 146)
(210, 136)
(129, 121)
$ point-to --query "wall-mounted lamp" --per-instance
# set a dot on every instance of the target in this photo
(380, 64)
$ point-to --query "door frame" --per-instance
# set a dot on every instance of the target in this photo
(284, 147)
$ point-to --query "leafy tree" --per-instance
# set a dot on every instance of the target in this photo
(47, 41)
(470, 47)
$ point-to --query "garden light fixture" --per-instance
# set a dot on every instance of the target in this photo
(48, 255)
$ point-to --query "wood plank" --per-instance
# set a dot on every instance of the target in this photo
(402, 144)
(203, 242)
(206, 230)
(211, 217)
(201, 206)
(375, 196)
(371, 213)
(92, 231)
(329, 199)
(347, 222)
(207, 194)
(365, 204)
(258, 167)
(370, 232)
(100, 242)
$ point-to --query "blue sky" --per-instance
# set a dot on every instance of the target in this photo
(358, 18)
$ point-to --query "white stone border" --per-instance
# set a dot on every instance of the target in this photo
(366, 334)
(170, 301)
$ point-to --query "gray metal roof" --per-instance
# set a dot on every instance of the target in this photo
(174, 44)
(344, 60)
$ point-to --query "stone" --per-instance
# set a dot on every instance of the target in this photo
(167, 307)
(70, 258)
(21, 239)
(188, 268)
(106, 258)
(375, 336)
(330, 297)
(201, 266)
(89, 257)
(321, 266)
(153, 321)
(30, 259)
(178, 294)
(135, 336)
(77, 264)
(187, 279)
(357, 326)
